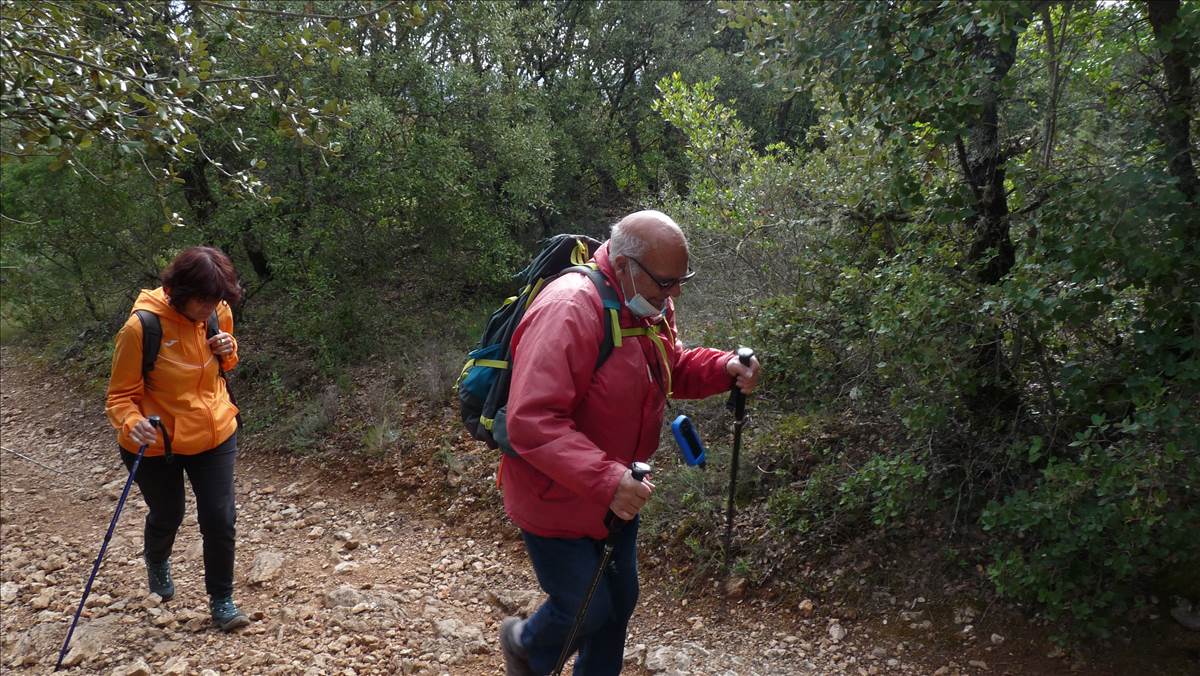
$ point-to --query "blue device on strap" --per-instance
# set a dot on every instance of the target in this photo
(689, 441)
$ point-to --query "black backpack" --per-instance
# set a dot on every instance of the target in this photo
(485, 378)
(152, 340)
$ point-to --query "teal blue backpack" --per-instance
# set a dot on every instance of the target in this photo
(484, 382)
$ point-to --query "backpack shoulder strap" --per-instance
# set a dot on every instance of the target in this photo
(611, 311)
(151, 339)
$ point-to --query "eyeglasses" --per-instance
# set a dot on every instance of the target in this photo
(665, 284)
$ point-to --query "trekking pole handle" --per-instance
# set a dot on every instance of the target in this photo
(640, 471)
(737, 400)
(613, 522)
(744, 355)
(156, 422)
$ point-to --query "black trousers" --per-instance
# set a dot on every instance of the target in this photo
(211, 476)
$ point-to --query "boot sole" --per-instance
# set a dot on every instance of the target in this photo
(236, 622)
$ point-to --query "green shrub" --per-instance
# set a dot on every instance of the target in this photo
(838, 496)
(1085, 538)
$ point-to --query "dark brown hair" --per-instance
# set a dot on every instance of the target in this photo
(201, 272)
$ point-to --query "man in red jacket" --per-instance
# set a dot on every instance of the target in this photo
(576, 430)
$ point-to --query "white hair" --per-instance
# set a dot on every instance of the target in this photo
(629, 240)
(621, 242)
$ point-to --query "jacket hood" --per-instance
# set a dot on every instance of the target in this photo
(604, 262)
(155, 300)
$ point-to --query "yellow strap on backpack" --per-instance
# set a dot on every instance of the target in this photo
(662, 350)
(579, 255)
(490, 363)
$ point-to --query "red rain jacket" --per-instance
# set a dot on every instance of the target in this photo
(576, 429)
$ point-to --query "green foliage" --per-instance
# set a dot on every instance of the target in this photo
(992, 397)
(146, 77)
(842, 493)
(886, 485)
(1079, 541)
(836, 186)
(892, 64)
(687, 514)
(73, 248)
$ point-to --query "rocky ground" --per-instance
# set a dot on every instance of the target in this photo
(349, 572)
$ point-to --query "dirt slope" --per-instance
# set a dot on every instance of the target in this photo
(346, 569)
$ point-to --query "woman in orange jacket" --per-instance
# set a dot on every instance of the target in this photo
(185, 387)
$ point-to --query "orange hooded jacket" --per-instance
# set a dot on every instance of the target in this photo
(185, 388)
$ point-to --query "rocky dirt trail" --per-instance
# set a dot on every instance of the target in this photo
(342, 573)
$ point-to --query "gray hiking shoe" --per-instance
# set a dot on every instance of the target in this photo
(159, 576)
(516, 661)
(226, 614)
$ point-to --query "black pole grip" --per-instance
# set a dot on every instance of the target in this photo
(640, 471)
(737, 401)
(613, 522)
(155, 421)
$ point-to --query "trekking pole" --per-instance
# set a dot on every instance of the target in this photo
(154, 420)
(614, 524)
(738, 399)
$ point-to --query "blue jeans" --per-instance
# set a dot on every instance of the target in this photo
(211, 476)
(564, 569)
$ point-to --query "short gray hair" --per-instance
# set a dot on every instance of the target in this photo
(624, 243)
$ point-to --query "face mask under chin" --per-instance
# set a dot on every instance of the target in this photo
(638, 304)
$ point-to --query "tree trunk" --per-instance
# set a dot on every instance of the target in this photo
(636, 153)
(256, 255)
(1179, 298)
(1054, 49)
(992, 254)
(197, 191)
(1177, 118)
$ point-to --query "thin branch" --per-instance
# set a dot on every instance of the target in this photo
(76, 9)
(75, 161)
(57, 68)
(966, 166)
(12, 154)
(88, 64)
(21, 19)
(1013, 147)
(17, 220)
(240, 78)
(219, 167)
(294, 15)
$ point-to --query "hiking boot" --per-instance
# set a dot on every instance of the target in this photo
(159, 576)
(516, 661)
(226, 614)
